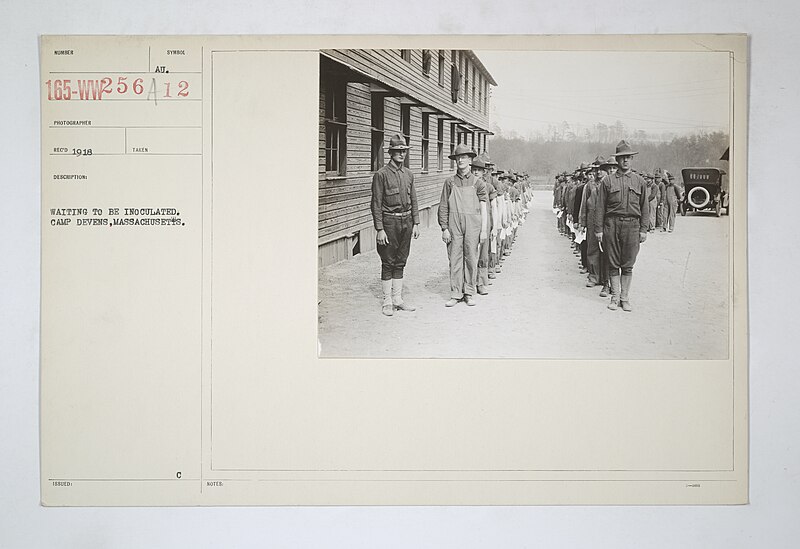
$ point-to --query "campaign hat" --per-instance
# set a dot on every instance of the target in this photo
(624, 149)
(462, 148)
(486, 159)
(607, 161)
(478, 162)
(397, 143)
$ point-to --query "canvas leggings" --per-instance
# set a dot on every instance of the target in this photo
(465, 230)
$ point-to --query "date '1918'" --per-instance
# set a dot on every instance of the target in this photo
(96, 89)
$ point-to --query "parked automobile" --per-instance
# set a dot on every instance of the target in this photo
(705, 189)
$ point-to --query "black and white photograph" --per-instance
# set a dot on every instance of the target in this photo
(525, 204)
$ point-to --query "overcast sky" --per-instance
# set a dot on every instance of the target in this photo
(652, 91)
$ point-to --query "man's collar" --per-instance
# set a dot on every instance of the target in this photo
(395, 168)
(467, 176)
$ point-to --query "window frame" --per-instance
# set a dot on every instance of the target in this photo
(405, 130)
(377, 130)
(426, 134)
(335, 117)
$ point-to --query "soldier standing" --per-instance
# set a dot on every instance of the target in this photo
(673, 197)
(396, 219)
(478, 168)
(654, 194)
(621, 223)
(462, 217)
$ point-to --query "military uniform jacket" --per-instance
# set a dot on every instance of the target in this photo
(622, 195)
(393, 192)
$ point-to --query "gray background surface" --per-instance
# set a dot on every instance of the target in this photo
(769, 521)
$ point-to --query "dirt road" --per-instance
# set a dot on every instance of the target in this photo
(539, 307)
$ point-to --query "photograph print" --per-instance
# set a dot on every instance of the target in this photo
(525, 204)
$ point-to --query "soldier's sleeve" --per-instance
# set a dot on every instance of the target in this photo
(584, 198)
(600, 207)
(377, 201)
(480, 188)
(492, 191)
(414, 205)
(444, 208)
(644, 208)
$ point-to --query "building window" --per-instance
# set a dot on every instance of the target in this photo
(426, 63)
(480, 93)
(336, 128)
(440, 145)
(377, 128)
(405, 129)
(406, 55)
(473, 86)
(455, 78)
(461, 74)
(452, 144)
(441, 68)
(465, 78)
(425, 140)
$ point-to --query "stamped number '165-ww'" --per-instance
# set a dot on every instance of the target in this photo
(95, 90)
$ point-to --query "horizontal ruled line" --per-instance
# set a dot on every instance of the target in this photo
(121, 479)
(125, 72)
(126, 154)
(131, 127)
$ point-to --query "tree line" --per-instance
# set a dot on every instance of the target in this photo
(548, 158)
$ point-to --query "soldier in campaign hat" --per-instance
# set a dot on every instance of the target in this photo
(673, 195)
(462, 217)
(653, 197)
(621, 223)
(488, 251)
(396, 218)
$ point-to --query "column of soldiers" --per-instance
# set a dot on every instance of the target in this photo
(605, 209)
(664, 196)
(480, 212)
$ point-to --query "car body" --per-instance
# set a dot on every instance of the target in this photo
(705, 189)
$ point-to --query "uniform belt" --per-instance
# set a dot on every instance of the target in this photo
(625, 217)
(398, 214)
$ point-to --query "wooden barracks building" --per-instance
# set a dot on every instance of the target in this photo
(434, 98)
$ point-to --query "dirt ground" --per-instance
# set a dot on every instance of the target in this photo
(538, 306)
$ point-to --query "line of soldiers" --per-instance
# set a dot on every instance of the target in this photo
(479, 213)
(604, 208)
(664, 197)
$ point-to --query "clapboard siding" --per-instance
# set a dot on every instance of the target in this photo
(344, 215)
(388, 67)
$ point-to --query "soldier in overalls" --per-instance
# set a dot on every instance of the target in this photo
(462, 217)
(671, 200)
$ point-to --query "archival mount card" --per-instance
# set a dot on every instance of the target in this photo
(235, 231)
